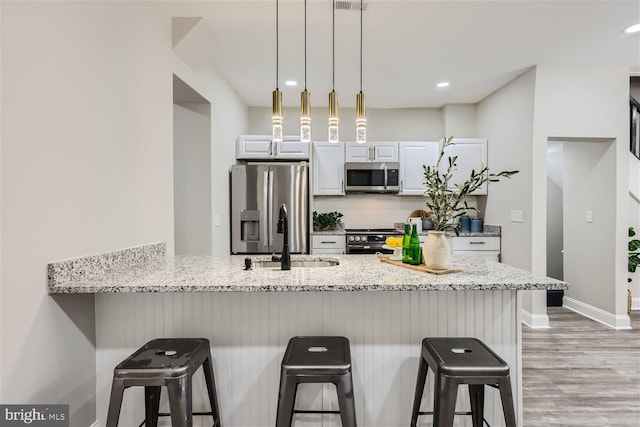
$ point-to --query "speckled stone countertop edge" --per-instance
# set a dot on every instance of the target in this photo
(359, 273)
(74, 269)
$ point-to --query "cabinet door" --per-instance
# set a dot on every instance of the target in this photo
(385, 151)
(328, 244)
(291, 148)
(328, 169)
(413, 156)
(254, 147)
(358, 153)
(472, 155)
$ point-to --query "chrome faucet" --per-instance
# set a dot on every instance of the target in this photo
(283, 227)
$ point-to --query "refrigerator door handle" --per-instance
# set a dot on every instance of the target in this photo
(264, 215)
(270, 208)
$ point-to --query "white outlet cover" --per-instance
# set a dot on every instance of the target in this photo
(588, 216)
(216, 220)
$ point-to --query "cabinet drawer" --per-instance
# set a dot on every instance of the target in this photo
(476, 244)
(328, 242)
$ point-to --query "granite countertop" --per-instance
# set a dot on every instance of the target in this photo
(354, 273)
(487, 231)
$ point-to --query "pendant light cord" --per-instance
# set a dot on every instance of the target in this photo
(361, 46)
(333, 48)
(277, 44)
(305, 45)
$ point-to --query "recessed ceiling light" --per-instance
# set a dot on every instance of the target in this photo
(443, 84)
(632, 29)
(291, 83)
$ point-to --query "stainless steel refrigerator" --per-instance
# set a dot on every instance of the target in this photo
(257, 192)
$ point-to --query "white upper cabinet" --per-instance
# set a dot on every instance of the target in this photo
(371, 152)
(263, 148)
(328, 169)
(472, 155)
(413, 156)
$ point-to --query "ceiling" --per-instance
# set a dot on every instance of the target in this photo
(408, 46)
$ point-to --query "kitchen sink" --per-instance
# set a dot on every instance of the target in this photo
(297, 264)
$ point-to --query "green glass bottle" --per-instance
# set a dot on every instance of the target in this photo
(414, 247)
(406, 240)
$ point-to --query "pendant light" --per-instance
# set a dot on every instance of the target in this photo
(276, 118)
(334, 121)
(361, 114)
(305, 96)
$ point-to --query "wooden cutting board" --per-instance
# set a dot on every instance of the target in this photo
(421, 267)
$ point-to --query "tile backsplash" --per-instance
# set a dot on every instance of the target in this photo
(373, 210)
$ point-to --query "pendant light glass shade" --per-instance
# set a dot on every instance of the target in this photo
(361, 119)
(276, 118)
(305, 96)
(276, 102)
(334, 121)
(305, 116)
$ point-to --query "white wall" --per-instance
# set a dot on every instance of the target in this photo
(192, 178)
(87, 167)
(589, 176)
(459, 120)
(582, 103)
(505, 118)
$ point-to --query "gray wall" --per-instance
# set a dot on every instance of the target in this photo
(192, 178)
(555, 232)
(589, 177)
(87, 167)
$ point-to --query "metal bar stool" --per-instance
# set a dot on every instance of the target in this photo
(316, 360)
(167, 362)
(456, 361)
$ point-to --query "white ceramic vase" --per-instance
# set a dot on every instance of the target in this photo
(436, 250)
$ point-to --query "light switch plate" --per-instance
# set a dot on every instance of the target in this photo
(216, 220)
(588, 216)
(516, 216)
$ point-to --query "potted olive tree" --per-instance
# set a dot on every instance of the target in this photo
(447, 202)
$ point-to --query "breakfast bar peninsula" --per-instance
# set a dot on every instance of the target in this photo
(250, 314)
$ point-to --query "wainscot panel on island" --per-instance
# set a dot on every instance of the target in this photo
(249, 315)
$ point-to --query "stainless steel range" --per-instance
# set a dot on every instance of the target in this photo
(368, 240)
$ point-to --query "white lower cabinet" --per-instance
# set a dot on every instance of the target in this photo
(477, 246)
(328, 244)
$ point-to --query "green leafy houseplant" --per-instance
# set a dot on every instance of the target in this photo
(634, 252)
(446, 203)
(326, 220)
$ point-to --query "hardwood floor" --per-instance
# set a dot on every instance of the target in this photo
(580, 373)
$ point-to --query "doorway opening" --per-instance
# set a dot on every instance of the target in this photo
(581, 218)
(191, 171)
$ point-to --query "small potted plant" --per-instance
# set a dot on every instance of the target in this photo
(447, 202)
(326, 221)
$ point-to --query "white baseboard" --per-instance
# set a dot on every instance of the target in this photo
(635, 303)
(95, 424)
(617, 322)
(535, 321)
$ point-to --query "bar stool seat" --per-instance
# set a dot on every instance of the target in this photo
(456, 361)
(169, 362)
(316, 359)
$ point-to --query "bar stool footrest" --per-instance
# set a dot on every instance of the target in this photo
(304, 411)
(456, 413)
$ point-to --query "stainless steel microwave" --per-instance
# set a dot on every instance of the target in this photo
(381, 177)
